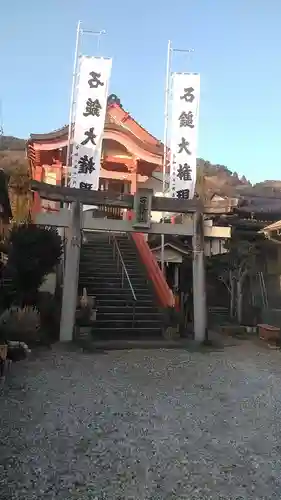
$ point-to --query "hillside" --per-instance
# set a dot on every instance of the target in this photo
(12, 152)
(10, 143)
(217, 178)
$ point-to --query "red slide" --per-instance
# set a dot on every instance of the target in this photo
(163, 292)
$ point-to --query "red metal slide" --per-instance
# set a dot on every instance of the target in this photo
(163, 292)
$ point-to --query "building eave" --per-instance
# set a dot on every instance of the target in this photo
(152, 144)
(173, 247)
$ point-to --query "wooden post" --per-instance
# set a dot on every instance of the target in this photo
(199, 281)
(70, 283)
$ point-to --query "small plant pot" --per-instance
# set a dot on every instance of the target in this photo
(269, 333)
(83, 332)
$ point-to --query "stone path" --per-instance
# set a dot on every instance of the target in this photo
(152, 424)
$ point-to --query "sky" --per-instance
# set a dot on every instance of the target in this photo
(237, 51)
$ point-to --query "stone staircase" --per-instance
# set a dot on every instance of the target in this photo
(119, 315)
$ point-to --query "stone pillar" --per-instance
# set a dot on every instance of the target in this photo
(71, 271)
(176, 276)
(199, 279)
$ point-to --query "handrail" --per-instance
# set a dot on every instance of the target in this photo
(164, 293)
(124, 271)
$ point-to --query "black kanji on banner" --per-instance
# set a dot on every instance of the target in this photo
(184, 172)
(93, 108)
(86, 185)
(90, 137)
(183, 194)
(183, 146)
(188, 95)
(186, 119)
(95, 82)
(86, 165)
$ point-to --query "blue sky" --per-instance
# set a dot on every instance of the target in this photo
(237, 51)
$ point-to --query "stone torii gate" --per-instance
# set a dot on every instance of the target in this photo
(74, 220)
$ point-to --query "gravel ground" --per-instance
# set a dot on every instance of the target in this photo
(151, 424)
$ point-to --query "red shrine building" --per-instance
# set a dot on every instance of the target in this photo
(131, 156)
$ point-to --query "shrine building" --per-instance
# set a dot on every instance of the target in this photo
(131, 157)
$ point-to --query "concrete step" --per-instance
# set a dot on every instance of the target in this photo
(88, 259)
(124, 314)
(113, 324)
(96, 248)
(106, 276)
(111, 292)
(104, 333)
(113, 301)
(100, 278)
(131, 262)
(100, 283)
(128, 252)
(139, 309)
(98, 268)
(97, 258)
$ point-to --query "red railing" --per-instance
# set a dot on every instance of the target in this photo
(164, 293)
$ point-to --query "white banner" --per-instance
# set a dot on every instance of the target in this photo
(184, 129)
(91, 104)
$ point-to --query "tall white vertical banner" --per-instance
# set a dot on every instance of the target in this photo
(183, 134)
(91, 103)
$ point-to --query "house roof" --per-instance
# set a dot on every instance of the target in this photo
(259, 205)
(170, 241)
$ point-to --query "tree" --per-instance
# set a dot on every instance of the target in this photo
(20, 194)
(33, 252)
(232, 268)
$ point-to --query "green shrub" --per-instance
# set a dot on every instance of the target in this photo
(20, 323)
(33, 252)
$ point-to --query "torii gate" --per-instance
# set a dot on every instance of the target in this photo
(74, 220)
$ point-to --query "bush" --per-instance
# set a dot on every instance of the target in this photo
(20, 324)
(33, 252)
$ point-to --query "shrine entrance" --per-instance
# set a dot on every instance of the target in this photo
(75, 221)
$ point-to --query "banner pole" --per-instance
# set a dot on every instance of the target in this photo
(79, 32)
(74, 77)
(166, 125)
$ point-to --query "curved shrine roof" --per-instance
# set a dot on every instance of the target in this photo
(56, 134)
(117, 120)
